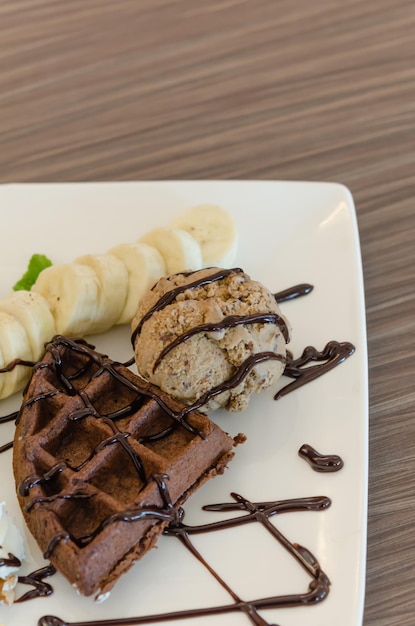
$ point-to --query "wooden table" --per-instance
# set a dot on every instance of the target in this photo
(259, 89)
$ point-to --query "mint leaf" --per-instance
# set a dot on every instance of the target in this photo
(37, 263)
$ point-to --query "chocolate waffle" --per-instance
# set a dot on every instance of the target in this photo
(102, 462)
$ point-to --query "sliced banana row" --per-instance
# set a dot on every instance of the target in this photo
(97, 291)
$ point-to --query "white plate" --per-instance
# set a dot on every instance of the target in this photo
(289, 233)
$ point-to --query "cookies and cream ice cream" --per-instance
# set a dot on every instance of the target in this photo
(211, 337)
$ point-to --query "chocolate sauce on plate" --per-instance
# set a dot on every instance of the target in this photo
(293, 292)
(253, 512)
(332, 354)
(40, 588)
(10, 366)
(320, 462)
(3, 420)
(10, 561)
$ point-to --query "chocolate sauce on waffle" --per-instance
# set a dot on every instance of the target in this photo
(320, 462)
(36, 479)
(167, 513)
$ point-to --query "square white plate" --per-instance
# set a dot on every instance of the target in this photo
(290, 233)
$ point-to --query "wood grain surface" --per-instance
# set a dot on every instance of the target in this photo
(259, 89)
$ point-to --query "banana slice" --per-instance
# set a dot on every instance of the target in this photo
(72, 291)
(145, 266)
(215, 231)
(33, 312)
(2, 376)
(113, 286)
(178, 248)
(14, 344)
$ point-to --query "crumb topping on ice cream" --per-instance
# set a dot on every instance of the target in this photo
(194, 330)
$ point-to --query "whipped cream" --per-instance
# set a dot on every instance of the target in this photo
(11, 556)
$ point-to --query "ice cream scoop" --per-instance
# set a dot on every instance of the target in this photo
(210, 338)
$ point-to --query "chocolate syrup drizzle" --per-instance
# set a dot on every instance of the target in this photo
(320, 462)
(254, 512)
(40, 588)
(10, 366)
(171, 295)
(228, 322)
(332, 354)
(3, 419)
(293, 292)
(166, 513)
(10, 561)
